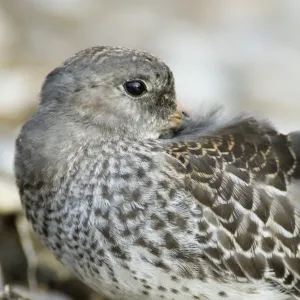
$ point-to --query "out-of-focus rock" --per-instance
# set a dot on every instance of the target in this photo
(21, 293)
(9, 197)
(18, 94)
(8, 36)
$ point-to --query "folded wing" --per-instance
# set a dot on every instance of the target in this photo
(240, 173)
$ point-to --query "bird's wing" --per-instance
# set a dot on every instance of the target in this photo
(240, 174)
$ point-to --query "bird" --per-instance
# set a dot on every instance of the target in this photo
(143, 200)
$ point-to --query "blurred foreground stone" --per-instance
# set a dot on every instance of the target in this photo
(8, 294)
(19, 293)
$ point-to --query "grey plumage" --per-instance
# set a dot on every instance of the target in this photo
(145, 204)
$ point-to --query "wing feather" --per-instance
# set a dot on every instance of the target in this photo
(240, 173)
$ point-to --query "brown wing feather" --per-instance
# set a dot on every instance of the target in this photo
(240, 174)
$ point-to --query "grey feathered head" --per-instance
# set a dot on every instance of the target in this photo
(116, 90)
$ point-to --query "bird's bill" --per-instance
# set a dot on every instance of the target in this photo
(176, 119)
(178, 116)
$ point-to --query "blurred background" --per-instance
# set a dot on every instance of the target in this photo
(244, 54)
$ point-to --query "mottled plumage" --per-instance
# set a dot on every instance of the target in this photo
(143, 202)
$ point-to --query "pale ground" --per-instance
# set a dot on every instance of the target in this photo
(244, 54)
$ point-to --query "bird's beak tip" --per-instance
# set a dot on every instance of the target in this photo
(177, 117)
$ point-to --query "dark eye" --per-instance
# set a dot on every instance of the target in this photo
(135, 87)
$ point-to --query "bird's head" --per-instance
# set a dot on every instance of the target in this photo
(115, 91)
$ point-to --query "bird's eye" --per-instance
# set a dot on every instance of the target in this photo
(135, 88)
